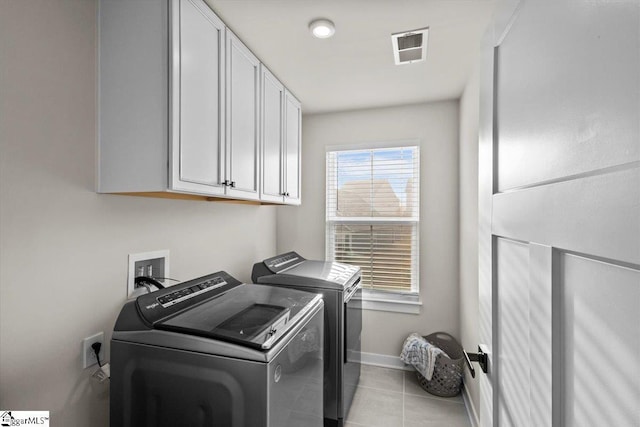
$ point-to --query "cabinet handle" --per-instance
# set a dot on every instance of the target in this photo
(232, 184)
(225, 182)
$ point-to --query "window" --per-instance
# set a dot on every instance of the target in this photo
(373, 215)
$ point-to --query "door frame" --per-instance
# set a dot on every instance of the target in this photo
(504, 16)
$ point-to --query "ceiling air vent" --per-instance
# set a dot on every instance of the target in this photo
(410, 46)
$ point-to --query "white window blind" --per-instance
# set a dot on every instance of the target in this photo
(373, 214)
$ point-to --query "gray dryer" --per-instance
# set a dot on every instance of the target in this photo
(340, 287)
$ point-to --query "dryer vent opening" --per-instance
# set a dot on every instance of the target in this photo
(410, 46)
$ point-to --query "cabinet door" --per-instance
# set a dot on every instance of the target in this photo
(292, 152)
(272, 181)
(197, 100)
(243, 149)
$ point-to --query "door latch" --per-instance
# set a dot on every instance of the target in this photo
(480, 357)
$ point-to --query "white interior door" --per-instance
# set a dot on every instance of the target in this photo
(560, 215)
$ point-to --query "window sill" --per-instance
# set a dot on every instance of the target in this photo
(382, 301)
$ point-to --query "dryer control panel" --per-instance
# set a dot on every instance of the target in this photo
(282, 262)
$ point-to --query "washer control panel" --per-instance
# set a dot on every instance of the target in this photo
(185, 293)
(166, 302)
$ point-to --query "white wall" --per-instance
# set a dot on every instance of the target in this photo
(63, 248)
(469, 333)
(303, 228)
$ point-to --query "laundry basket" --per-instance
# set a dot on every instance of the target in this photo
(446, 380)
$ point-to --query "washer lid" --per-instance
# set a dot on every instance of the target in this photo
(293, 270)
(250, 315)
(328, 271)
(316, 275)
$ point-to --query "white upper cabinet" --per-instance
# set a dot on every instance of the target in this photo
(280, 142)
(161, 98)
(133, 96)
(243, 144)
(198, 107)
(292, 149)
(272, 188)
(179, 108)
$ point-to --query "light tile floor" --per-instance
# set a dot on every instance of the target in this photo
(393, 398)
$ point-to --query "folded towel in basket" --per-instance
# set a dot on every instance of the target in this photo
(420, 353)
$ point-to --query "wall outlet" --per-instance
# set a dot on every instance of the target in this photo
(141, 264)
(88, 355)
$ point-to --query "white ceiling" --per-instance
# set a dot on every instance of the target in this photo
(355, 69)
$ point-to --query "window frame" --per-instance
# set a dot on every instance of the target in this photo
(386, 300)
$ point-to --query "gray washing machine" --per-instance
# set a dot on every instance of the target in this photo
(216, 352)
(340, 287)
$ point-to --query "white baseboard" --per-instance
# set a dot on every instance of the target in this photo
(384, 361)
(471, 409)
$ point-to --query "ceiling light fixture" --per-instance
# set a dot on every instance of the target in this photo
(322, 28)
